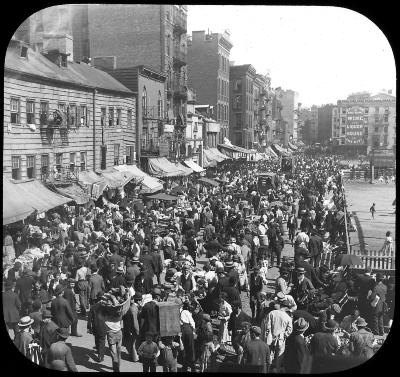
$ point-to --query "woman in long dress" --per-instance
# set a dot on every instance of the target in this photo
(387, 248)
(224, 312)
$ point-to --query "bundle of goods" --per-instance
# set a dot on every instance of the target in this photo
(116, 301)
(168, 318)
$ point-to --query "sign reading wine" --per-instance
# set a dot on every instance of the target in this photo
(355, 125)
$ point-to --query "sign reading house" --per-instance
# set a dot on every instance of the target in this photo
(355, 125)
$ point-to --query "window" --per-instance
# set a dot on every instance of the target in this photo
(103, 117)
(14, 110)
(118, 117)
(168, 45)
(30, 112)
(366, 110)
(238, 101)
(103, 156)
(44, 163)
(72, 161)
(16, 167)
(385, 129)
(116, 154)
(376, 129)
(366, 131)
(30, 167)
(83, 115)
(377, 109)
(343, 131)
(386, 118)
(63, 61)
(160, 105)
(61, 107)
(129, 118)
(59, 161)
(167, 15)
(343, 110)
(72, 115)
(238, 85)
(343, 120)
(144, 100)
(130, 154)
(110, 116)
(385, 140)
(376, 118)
(238, 123)
(24, 52)
(83, 160)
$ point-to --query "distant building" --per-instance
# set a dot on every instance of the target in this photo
(366, 122)
(211, 128)
(194, 129)
(242, 125)
(289, 101)
(53, 114)
(208, 73)
(324, 132)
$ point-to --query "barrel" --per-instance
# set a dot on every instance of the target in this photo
(263, 240)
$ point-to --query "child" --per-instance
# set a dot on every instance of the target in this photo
(372, 210)
(169, 353)
(209, 354)
(148, 351)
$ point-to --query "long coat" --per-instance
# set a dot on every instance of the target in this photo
(296, 353)
(11, 307)
(149, 318)
(69, 295)
(61, 312)
(96, 285)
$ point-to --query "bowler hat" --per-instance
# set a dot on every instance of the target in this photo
(256, 330)
(135, 260)
(59, 289)
(120, 270)
(330, 325)
(301, 324)
(137, 296)
(206, 317)
(360, 322)
(280, 296)
(237, 304)
(25, 321)
(300, 270)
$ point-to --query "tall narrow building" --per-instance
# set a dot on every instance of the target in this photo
(208, 73)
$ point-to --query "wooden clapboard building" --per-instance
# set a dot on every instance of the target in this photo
(61, 115)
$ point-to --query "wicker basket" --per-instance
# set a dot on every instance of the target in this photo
(117, 310)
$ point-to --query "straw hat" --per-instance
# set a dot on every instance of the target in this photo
(25, 321)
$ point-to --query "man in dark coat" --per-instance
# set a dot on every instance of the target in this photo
(131, 328)
(191, 245)
(257, 351)
(324, 343)
(148, 262)
(69, 295)
(143, 283)
(119, 279)
(11, 307)
(303, 261)
(365, 283)
(47, 332)
(301, 288)
(315, 247)
(232, 291)
(231, 272)
(23, 288)
(148, 317)
(96, 285)
(60, 351)
(96, 326)
(238, 316)
(61, 311)
(158, 264)
(132, 269)
(296, 352)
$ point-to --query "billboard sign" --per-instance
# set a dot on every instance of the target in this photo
(355, 126)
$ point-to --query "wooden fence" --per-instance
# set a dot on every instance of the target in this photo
(376, 260)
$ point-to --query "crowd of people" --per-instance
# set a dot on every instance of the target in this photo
(215, 253)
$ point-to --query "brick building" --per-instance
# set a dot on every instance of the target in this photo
(365, 122)
(289, 115)
(53, 113)
(324, 133)
(194, 129)
(241, 83)
(208, 73)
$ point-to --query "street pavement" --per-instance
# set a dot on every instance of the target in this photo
(370, 234)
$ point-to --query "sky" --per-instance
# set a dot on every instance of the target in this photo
(323, 53)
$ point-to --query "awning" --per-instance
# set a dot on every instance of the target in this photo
(211, 182)
(211, 158)
(235, 148)
(292, 146)
(195, 167)
(161, 167)
(22, 198)
(162, 196)
(75, 192)
(278, 149)
(15, 206)
(96, 182)
(116, 179)
(184, 168)
(219, 154)
(149, 183)
(269, 151)
(300, 143)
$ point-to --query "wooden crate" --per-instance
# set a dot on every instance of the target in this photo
(169, 318)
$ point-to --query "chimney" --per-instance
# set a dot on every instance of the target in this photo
(105, 63)
(58, 43)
